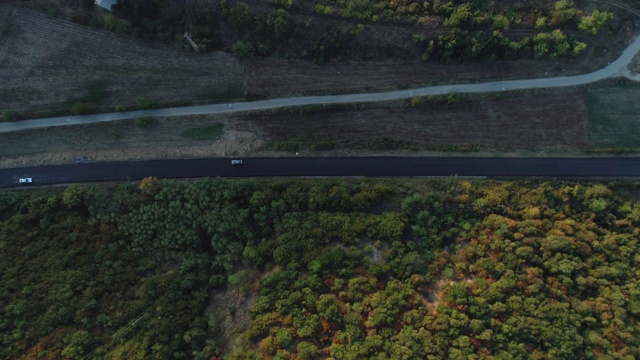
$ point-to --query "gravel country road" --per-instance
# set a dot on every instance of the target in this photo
(618, 68)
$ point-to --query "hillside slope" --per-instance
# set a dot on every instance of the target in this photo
(314, 269)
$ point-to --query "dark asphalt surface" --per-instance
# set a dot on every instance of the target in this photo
(325, 167)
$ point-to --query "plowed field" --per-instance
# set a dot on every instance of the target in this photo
(45, 62)
(518, 122)
(534, 121)
(279, 77)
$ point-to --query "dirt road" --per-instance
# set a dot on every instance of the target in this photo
(618, 68)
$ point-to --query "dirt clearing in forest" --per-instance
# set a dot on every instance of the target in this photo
(228, 312)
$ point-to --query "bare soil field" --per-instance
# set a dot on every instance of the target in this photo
(538, 122)
(517, 122)
(280, 77)
(121, 140)
(45, 62)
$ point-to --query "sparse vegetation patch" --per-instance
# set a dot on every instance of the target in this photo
(614, 117)
(213, 132)
(8, 115)
(95, 95)
(143, 122)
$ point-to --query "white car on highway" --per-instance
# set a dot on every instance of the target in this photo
(25, 180)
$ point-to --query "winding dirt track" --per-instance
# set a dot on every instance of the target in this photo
(618, 68)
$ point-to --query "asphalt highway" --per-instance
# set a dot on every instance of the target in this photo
(326, 167)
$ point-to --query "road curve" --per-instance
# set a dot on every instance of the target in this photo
(326, 167)
(618, 68)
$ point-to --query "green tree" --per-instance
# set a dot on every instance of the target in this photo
(149, 185)
(8, 115)
(242, 48)
(78, 345)
(327, 308)
(541, 22)
(554, 44)
(460, 16)
(578, 47)
(307, 351)
(594, 22)
(500, 21)
(359, 9)
(279, 22)
(117, 25)
(324, 9)
(73, 196)
(269, 345)
(562, 11)
(240, 15)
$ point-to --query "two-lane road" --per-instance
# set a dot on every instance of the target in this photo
(326, 167)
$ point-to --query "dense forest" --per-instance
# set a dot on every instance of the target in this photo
(327, 30)
(386, 269)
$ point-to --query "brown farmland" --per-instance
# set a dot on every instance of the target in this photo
(46, 62)
(514, 123)
(279, 77)
(518, 122)
(122, 140)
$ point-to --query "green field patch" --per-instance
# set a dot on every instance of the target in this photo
(94, 95)
(143, 122)
(214, 94)
(213, 132)
(614, 117)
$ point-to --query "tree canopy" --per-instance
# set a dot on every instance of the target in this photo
(314, 269)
